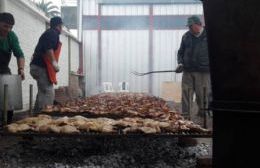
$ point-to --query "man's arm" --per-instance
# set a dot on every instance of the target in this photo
(180, 56)
(50, 55)
(20, 67)
(18, 53)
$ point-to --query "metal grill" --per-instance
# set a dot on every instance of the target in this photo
(112, 135)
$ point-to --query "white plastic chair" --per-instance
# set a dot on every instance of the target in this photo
(123, 87)
(107, 87)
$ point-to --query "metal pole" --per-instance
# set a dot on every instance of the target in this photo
(31, 97)
(189, 103)
(5, 104)
(204, 107)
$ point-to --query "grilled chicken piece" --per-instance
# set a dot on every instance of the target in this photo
(184, 128)
(192, 126)
(147, 130)
(91, 126)
(95, 126)
(29, 120)
(40, 122)
(174, 127)
(23, 127)
(108, 129)
(78, 117)
(152, 124)
(67, 129)
(44, 116)
(197, 128)
(84, 127)
(65, 109)
(44, 129)
(129, 122)
(106, 121)
(36, 121)
(49, 128)
(13, 128)
(61, 121)
(54, 128)
(99, 125)
(77, 123)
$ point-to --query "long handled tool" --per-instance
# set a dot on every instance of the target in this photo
(147, 73)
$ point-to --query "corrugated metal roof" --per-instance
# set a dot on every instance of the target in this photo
(148, 1)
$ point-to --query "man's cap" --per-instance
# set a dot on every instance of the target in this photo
(7, 18)
(55, 21)
(193, 20)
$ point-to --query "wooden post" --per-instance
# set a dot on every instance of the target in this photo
(204, 107)
(30, 100)
(5, 104)
(190, 97)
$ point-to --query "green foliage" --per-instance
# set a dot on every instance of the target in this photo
(48, 7)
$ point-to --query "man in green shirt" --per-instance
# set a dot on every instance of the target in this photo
(9, 44)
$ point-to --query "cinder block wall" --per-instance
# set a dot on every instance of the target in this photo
(29, 25)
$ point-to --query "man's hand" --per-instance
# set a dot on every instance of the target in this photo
(21, 73)
(55, 66)
(179, 68)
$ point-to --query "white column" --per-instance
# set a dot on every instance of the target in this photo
(79, 18)
(2, 5)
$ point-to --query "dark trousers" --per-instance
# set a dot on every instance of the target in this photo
(198, 83)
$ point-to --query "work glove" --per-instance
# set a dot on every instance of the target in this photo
(21, 73)
(179, 68)
(55, 66)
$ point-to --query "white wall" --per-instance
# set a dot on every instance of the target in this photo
(124, 51)
(29, 25)
(166, 45)
(90, 50)
(74, 56)
(90, 7)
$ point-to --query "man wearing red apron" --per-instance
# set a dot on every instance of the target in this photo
(44, 64)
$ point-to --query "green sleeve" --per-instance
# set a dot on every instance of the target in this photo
(17, 51)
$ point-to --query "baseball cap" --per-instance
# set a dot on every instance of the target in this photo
(55, 21)
(193, 20)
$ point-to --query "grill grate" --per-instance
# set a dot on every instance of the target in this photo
(117, 134)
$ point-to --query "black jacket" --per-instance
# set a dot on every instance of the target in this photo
(48, 40)
(193, 52)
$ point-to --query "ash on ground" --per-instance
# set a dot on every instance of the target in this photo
(127, 152)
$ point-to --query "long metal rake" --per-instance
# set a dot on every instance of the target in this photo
(147, 73)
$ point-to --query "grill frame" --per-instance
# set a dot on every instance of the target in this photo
(112, 135)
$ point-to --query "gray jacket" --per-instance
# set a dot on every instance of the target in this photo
(193, 52)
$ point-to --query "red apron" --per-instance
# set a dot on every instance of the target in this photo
(51, 71)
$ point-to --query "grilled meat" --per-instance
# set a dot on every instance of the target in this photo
(68, 125)
(119, 104)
